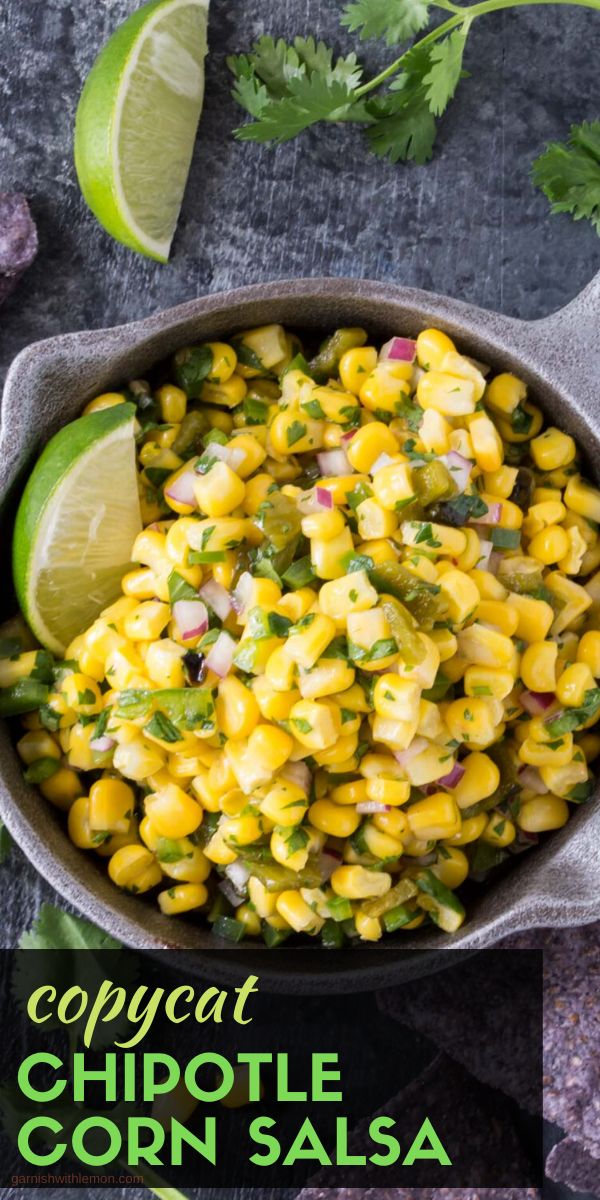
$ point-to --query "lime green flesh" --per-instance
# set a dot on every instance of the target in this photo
(137, 119)
(76, 525)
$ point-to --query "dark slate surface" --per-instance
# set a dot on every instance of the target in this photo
(469, 224)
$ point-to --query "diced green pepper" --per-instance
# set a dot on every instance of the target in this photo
(444, 908)
(300, 574)
(402, 625)
(273, 937)
(433, 482)
(279, 519)
(229, 929)
(420, 598)
(24, 696)
(505, 539)
(332, 935)
(397, 917)
(325, 364)
(190, 434)
(277, 878)
(406, 889)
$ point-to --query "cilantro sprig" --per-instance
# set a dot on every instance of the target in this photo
(286, 88)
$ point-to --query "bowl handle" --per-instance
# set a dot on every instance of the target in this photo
(566, 344)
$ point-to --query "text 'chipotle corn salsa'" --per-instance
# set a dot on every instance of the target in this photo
(356, 661)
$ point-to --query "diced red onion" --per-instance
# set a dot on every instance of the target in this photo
(372, 806)
(231, 893)
(459, 468)
(238, 875)
(102, 744)
(317, 499)
(492, 516)
(536, 703)
(182, 489)
(453, 777)
(426, 859)
(348, 435)
(486, 551)
(398, 349)
(241, 593)
(530, 778)
(298, 772)
(220, 655)
(494, 563)
(217, 598)
(384, 460)
(191, 618)
(417, 746)
(334, 462)
(324, 497)
(523, 841)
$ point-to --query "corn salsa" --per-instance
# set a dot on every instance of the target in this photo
(355, 662)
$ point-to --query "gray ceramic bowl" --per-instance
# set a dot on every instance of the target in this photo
(48, 384)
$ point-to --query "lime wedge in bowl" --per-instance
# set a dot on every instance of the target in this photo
(78, 518)
(137, 119)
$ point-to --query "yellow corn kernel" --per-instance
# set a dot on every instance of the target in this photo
(549, 545)
(134, 868)
(163, 663)
(139, 584)
(471, 828)
(381, 844)
(573, 561)
(589, 744)
(173, 403)
(547, 512)
(552, 754)
(290, 435)
(106, 400)
(575, 600)
(451, 867)
(356, 883)
(268, 344)
(472, 552)
(334, 819)
(354, 792)
(263, 901)
(262, 593)
(62, 788)
(257, 490)
(147, 621)
(315, 724)
(174, 813)
(351, 593)
(240, 830)
(217, 535)
(80, 753)
(273, 705)
(224, 362)
(285, 803)
(552, 449)
(445, 641)
(374, 521)
(447, 394)
(228, 394)
(505, 392)
(535, 617)
(298, 913)
(280, 670)
(369, 443)
(396, 698)
(78, 824)
(393, 485)
(37, 744)
(487, 585)
(501, 481)
(384, 389)
(434, 817)
(541, 813)
(182, 897)
(339, 486)
(81, 694)
(354, 365)
(474, 719)
(334, 403)
(573, 684)
(432, 347)
(111, 805)
(327, 677)
(325, 525)
(247, 917)
(395, 822)
(582, 498)
(538, 666)
(461, 595)
(328, 557)
(217, 850)
(499, 831)
(309, 643)
(236, 708)
(588, 651)
(435, 432)
(368, 928)
(286, 855)
(220, 491)
(488, 681)
(561, 780)
(487, 444)
(492, 612)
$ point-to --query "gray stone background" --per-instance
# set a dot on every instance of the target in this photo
(469, 224)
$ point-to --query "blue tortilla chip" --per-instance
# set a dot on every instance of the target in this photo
(570, 1164)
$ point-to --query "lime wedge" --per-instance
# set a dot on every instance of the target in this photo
(76, 524)
(137, 119)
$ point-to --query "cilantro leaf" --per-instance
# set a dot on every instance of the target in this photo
(316, 56)
(569, 173)
(54, 929)
(404, 126)
(446, 70)
(310, 98)
(396, 20)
